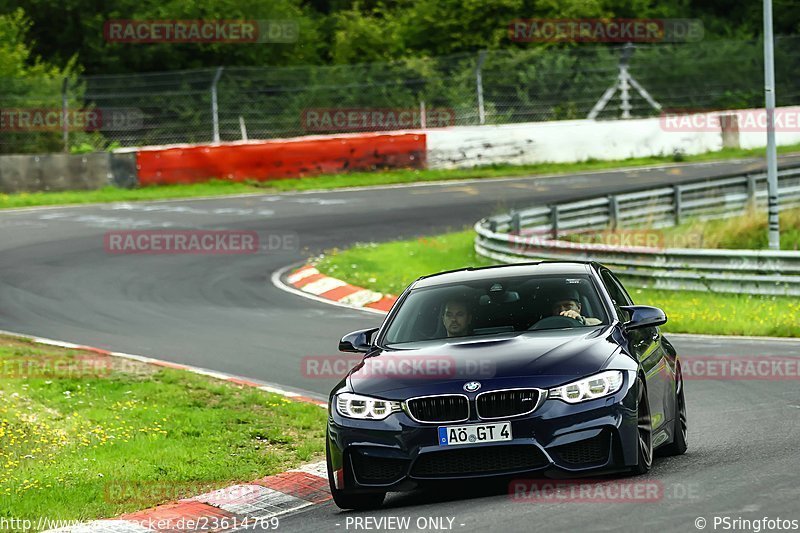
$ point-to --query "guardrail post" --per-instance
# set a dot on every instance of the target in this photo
(554, 221)
(613, 212)
(516, 226)
(678, 202)
(751, 190)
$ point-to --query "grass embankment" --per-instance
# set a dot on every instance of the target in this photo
(745, 232)
(84, 436)
(391, 267)
(355, 179)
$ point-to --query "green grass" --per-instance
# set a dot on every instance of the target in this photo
(99, 444)
(113, 194)
(391, 267)
(748, 231)
(355, 179)
(745, 232)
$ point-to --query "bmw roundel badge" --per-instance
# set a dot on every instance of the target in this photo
(472, 386)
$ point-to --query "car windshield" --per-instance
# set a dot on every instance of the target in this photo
(497, 306)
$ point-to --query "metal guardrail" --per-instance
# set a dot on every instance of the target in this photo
(538, 233)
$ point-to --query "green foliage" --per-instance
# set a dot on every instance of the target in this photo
(82, 148)
(437, 27)
(348, 31)
(27, 82)
(76, 26)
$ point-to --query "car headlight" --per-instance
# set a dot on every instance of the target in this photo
(363, 407)
(597, 386)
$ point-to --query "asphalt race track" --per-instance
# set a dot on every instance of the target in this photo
(222, 312)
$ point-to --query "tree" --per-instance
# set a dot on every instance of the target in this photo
(63, 28)
(28, 83)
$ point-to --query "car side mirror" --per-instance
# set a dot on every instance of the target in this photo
(643, 316)
(358, 341)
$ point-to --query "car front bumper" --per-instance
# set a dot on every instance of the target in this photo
(556, 440)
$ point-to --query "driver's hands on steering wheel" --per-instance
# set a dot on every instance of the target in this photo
(571, 313)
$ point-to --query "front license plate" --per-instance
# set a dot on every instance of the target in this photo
(474, 434)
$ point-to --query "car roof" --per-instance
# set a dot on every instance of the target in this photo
(503, 271)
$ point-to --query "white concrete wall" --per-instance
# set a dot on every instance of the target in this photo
(787, 129)
(578, 140)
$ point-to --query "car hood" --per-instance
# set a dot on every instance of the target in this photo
(542, 358)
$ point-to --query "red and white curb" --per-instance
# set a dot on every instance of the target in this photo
(311, 281)
(238, 507)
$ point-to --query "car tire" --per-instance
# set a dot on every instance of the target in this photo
(345, 499)
(680, 429)
(644, 431)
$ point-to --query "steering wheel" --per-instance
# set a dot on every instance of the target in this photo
(555, 322)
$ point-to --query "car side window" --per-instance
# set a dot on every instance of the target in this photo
(617, 294)
(623, 293)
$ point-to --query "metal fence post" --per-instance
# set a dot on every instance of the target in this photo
(678, 204)
(214, 108)
(64, 115)
(613, 212)
(516, 225)
(479, 86)
(242, 128)
(554, 221)
(751, 190)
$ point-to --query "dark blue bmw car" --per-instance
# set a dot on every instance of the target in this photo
(533, 369)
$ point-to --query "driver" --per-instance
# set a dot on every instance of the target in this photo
(457, 318)
(568, 304)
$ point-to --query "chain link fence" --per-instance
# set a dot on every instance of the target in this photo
(490, 87)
